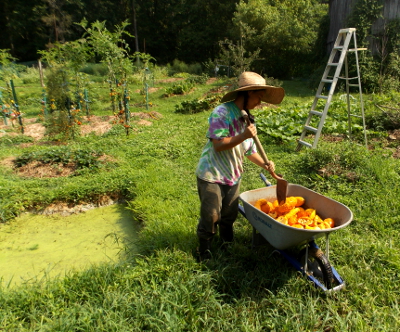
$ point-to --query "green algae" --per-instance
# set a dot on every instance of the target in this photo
(37, 247)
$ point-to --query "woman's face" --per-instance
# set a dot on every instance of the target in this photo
(255, 98)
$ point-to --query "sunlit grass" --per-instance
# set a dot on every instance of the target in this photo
(242, 289)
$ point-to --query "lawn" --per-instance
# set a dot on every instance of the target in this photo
(164, 288)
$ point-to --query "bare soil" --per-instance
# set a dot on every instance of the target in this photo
(97, 124)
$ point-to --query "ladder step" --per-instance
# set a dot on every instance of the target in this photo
(357, 49)
(341, 45)
(305, 143)
(316, 113)
(348, 78)
(347, 30)
(309, 128)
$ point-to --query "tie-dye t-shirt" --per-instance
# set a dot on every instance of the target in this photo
(224, 167)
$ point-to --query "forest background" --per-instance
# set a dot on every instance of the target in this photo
(288, 38)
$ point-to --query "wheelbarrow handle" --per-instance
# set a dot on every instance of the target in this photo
(265, 180)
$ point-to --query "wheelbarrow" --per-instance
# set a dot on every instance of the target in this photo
(310, 261)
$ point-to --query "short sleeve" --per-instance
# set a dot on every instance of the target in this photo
(218, 123)
(250, 147)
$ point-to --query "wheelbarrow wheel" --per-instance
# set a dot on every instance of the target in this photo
(317, 265)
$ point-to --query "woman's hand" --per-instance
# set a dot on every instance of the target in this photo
(227, 143)
(250, 131)
(270, 167)
(256, 159)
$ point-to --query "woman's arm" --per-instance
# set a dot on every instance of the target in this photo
(227, 143)
(256, 159)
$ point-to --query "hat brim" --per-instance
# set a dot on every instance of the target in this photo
(273, 95)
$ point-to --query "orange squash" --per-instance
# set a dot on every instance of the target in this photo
(299, 201)
(291, 213)
(330, 222)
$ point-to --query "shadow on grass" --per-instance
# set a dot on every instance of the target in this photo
(247, 271)
(239, 271)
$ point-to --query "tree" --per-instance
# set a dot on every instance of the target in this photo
(182, 29)
(286, 32)
(21, 30)
(236, 56)
(7, 70)
(110, 46)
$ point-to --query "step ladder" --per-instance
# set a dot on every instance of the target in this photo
(332, 72)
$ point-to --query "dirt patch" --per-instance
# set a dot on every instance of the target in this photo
(38, 169)
(147, 115)
(8, 162)
(150, 90)
(66, 209)
(97, 124)
(169, 80)
(211, 80)
(394, 135)
(144, 123)
(94, 124)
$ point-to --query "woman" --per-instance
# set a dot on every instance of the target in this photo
(221, 163)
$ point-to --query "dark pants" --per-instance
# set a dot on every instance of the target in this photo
(218, 205)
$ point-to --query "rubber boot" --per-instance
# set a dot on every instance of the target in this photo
(226, 233)
(204, 249)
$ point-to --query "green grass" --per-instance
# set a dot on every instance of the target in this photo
(164, 289)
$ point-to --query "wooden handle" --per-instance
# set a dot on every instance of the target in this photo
(259, 147)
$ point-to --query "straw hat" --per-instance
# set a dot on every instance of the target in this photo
(252, 81)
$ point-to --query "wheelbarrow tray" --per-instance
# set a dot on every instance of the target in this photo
(283, 236)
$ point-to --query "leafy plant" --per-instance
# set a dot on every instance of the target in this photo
(7, 70)
(281, 125)
(8, 140)
(198, 105)
(179, 88)
(81, 158)
(198, 79)
(286, 124)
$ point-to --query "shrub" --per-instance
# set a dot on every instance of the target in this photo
(82, 158)
(179, 89)
(384, 112)
(31, 75)
(198, 79)
(181, 67)
(273, 81)
(198, 105)
(96, 69)
(13, 140)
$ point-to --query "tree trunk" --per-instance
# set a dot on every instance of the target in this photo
(135, 31)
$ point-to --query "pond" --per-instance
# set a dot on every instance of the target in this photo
(38, 247)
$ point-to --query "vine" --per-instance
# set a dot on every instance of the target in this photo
(363, 15)
(381, 66)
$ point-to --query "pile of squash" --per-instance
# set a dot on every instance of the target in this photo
(292, 214)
